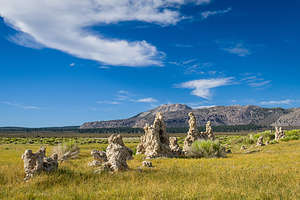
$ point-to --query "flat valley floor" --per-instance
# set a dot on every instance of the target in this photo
(272, 173)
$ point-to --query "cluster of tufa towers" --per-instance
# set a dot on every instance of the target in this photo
(153, 144)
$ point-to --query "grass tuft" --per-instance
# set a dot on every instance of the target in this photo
(207, 149)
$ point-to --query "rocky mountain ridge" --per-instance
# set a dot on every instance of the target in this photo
(176, 115)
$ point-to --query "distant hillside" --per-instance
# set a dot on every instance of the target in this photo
(290, 119)
(176, 115)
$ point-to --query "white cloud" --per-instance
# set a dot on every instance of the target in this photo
(189, 61)
(203, 107)
(72, 64)
(250, 78)
(64, 25)
(259, 84)
(25, 107)
(108, 102)
(192, 66)
(201, 88)
(103, 67)
(277, 102)
(238, 49)
(123, 92)
(207, 14)
(25, 40)
(123, 96)
(147, 100)
(255, 80)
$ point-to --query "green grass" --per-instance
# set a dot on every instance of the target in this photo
(270, 174)
(207, 149)
(59, 140)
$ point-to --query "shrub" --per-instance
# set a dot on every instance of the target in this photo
(267, 135)
(273, 142)
(207, 149)
(246, 140)
(291, 135)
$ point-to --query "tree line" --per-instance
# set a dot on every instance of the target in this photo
(76, 129)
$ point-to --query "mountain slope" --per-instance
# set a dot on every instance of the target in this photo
(291, 119)
(176, 115)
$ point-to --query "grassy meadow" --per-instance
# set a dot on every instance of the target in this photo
(268, 172)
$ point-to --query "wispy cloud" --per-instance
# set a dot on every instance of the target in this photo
(203, 107)
(26, 40)
(147, 100)
(108, 102)
(123, 96)
(103, 67)
(67, 30)
(207, 14)
(260, 84)
(17, 105)
(255, 80)
(238, 49)
(72, 64)
(277, 102)
(193, 65)
(185, 62)
(202, 87)
(123, 92)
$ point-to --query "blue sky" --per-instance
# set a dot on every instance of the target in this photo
(64, 62)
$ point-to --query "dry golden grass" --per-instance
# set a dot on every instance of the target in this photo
(273, 173)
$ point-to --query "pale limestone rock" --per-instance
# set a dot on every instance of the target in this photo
(50, 163)
(147, 164)
(155, 142)
(37, 162)
(117, 155)
(279, 133)
(99, 155)
(95, 163)
(175, 147)
(140, 149)
(260, 141)
(209, 131)
(192, 123)
(99, 158)
(193, 134)
(29, 164)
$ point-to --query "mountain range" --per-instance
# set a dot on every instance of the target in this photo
(176, 115)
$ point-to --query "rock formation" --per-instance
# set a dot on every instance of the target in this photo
(99, 158)
(260, 141)
(155, 142)
(116, 154)
(177, 151)
(279, 133)
(37, 162)
(208, 131)
(193, 134)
